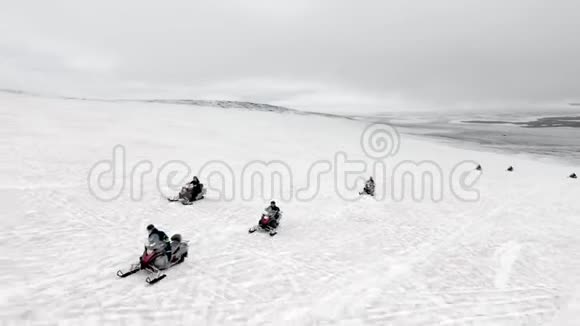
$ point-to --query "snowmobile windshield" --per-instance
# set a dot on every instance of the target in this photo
(150, 247)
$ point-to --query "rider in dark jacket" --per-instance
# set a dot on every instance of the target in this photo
(274, 213)
(196, 189)
(369, 187)
(156, 236)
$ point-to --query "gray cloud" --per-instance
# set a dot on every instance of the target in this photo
(328, 55)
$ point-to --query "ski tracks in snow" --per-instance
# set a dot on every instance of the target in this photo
(369, 262)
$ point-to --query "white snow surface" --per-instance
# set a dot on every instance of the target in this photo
(510, 258)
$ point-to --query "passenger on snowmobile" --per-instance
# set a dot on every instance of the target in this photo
(178, 249)
(196, 189)
(158, 240)
(369, 188)
(271, 217)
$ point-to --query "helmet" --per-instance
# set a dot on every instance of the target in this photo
(150, 227)
(176, 237)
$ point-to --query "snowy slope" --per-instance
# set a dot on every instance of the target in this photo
(510, 258)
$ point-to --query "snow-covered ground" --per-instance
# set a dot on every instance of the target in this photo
(512, 257)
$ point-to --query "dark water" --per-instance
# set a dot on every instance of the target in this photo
(555, 136)
(547, 122)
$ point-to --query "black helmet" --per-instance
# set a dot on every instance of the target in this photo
(272, 203)
(150, 227)
(176, 237)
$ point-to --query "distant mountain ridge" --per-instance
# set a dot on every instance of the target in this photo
(202, 103)
(224, 104)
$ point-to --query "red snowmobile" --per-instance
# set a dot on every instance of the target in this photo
(156, 259)
(267, 223)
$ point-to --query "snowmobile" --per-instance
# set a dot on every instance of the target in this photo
(366, 192)
(181, 197)
(370, 191)
(369, 188)
(267, 223)
(155, 259)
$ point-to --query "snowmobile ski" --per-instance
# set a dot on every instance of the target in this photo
(155, 279)
(131, 272)
(182, 200)
(271, 232)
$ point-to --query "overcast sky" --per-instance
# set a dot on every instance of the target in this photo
(329, 55)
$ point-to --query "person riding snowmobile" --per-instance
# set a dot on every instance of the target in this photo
(196, 189)
(369, 188)
(190, 192)
(274, 214)
(185, 193)
(159, 239)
